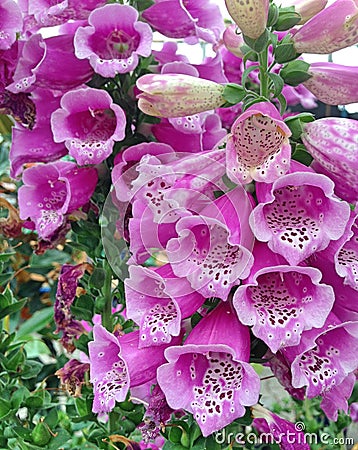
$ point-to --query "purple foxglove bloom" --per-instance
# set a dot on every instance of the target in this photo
(157, 302)
(250, 16)
(53, 190)
(49, 13)
(114, 40)
(337, 25)
(300, 217)
(89, 123)
(212, 249)
(36, 145)
(332, 141)
(42, 64)
(346, 258)
(285, 433)
(337, 398)
(72, 376)
(324, 357)
(10, 23)
(178, 95)
(299, 95)
(306, 8)
(353, 411)
(116, 364)
(233, 40)
(209, 375)
(333, 84)
(66, 292)
(186, 19)
(281, 301)
(258, 147)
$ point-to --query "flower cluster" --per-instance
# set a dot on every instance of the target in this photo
(231, 241)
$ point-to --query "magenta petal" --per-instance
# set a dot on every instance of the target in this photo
(108, 370)
(10, 23)
(301, 217)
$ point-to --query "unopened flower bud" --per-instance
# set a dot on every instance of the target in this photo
(233, 40)
(249, 15)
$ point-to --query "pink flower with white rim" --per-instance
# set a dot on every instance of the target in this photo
(258, 147)
(89, 123)
(333, 84)
(337, 26)
(178, 95)
(114, 40)
(300, 216)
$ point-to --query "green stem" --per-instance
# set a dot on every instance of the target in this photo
(107, 320)
(263, 60)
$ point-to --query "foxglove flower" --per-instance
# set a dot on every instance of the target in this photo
(189, 19)
(42, 64)
(53, 190)
(89, 123)
(300, 217)
(332, 83)
(10, 23)
(50, 13)
(337, 398)
(177, 95)
(72, 376)
(306, 8)
(36, 145)
(332, 142)
(212, 249)
(324, 357)
(233, 40)
(285, 433)
(114, 40)
(250, 16)
(281, 301)
(116, 364)
(258, 147)
(209, 375)
(337, 25)
(66, 292)
(157, 301)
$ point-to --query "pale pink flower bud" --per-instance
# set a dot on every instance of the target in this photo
(306, 8)
(249, 15)
(178, 95)
(333, 84)
(233, 40)
(332, 29)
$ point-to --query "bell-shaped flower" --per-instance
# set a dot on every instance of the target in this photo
(300, 216)
(116, 364)
(332, 141)
(212, 249)
(258, 147)
(10, 23)
(72, 376)
(233, 40)
(50, 64)
(65, 295)
(157, 301)
(192, 20)
(281, 301)
(330, 30)
(37, 144)
(89, 123)
(178, 95)
(209, 375)
(333, 84)
(288, 435)
(250, 16)
(53, 190)
(114, 40)
(324, 357)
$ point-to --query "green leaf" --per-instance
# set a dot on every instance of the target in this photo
(211, 444)
(252, 101)
(247, 72)
(97, 278)
(31, 369)
(272, 15)
(295, 72)
(49, 258)
(5, 408)
(18, 396)
(12, 309)
(57, 442)
(35, 348)
(302, 156)
(172, 446)
(287, 18)
(283, 103)
(277, 83)
(6, 256)
(259, 44)
(234, 93)
(175, 434)
(37, 322)
(285, 51)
